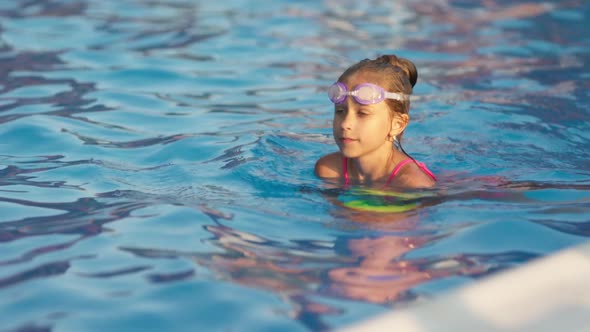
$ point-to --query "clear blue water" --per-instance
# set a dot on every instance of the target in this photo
(156, 158)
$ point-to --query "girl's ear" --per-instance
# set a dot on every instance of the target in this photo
(399, 124)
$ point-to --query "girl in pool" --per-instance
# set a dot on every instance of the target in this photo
(371, 106)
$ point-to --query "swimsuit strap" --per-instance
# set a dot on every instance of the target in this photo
(396, 170)
(345, 170)
(403, 163)
(426, 170)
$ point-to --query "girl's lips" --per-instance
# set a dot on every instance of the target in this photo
(347, 140)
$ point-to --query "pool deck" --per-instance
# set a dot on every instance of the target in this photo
(547, 295)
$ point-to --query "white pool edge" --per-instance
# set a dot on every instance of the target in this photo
(551, 294)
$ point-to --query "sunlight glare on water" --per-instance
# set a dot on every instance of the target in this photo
(156, 158)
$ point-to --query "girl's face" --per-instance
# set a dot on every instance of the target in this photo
(359, 129)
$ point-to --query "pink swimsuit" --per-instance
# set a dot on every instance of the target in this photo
(393, 173)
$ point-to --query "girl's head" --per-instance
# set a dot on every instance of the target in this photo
(362, 114)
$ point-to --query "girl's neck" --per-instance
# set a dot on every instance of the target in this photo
(378, 165)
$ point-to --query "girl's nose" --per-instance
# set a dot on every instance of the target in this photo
(347, 120)
(348, 117)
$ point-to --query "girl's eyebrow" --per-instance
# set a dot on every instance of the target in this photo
(366, 109)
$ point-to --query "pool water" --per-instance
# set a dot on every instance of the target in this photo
(156, 158)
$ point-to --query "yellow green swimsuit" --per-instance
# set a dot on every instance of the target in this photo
(379, 200)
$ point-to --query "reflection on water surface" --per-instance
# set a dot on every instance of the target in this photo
(156, 158)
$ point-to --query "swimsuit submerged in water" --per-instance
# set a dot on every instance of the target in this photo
(393, 173)
(379, 200)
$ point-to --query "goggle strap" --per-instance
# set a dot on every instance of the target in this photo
(396, 96)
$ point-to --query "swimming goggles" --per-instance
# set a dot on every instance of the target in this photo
(364, 93)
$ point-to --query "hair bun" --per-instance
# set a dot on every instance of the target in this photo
(405, 65)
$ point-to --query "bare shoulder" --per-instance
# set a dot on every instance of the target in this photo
(412, 176)
(329, 166)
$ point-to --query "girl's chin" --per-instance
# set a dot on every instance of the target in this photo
(348, 154)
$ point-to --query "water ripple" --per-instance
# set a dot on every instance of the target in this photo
(154, 150)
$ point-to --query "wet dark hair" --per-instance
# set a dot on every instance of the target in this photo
(397, 75)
